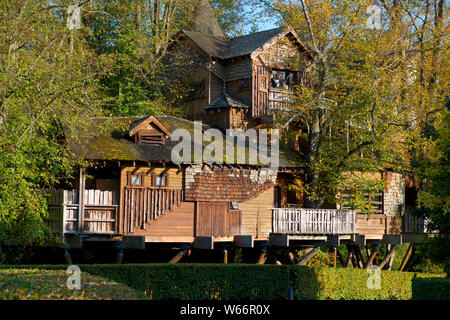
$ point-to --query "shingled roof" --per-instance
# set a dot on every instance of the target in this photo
(225, 48)
(226, 101)
(109, 140)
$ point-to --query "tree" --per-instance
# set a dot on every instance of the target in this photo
(363, 104)
(434, 198)
(46, 88)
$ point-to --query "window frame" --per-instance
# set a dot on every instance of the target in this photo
(163, 175)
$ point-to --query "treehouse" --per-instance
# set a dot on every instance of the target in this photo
(240, 82)
(133, 192)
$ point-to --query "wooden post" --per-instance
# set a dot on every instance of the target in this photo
(225, 256)
(359, 256)
(178, 257)
(407, 256)
(371, 258)
(291, 257)
(388, 256)
(262, 257)
(81, 194)
(119, 257)
(349, 258)
(308, 257)
(67, 256)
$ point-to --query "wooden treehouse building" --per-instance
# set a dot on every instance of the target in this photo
(133, 193)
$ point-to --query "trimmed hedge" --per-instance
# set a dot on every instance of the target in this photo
(258, 282)
(200, 281)
(431, 289)
(35, 284)
(350, 284)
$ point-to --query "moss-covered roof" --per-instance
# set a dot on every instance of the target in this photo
(109, 140)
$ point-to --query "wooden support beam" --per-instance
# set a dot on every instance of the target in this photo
(134, 242)
(349, 258)
(334, 240)
(291, 257)
(243, 241)
(178, 257)
(262, 257)
(308, 257)
(388, 256)
(225, 256)
(360, 256)
(279, 240)
(119, 256)
(358, 239)
(204, 243)
(67, 256)
(371, 257)
(395, 239)
(413, 237)
(407, 256)
(81, 195)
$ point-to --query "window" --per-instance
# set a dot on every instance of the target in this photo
(234, 206)
(262, 83)
(244, 84)
(150, 137)
(135, 180)
(283, 79)
(160, 180)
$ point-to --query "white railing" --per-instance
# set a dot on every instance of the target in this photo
(313, 221)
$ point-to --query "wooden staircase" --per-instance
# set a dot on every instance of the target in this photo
(174, 226)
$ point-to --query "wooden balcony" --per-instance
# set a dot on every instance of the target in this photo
(100, 210)
(280, 99)
(298, 221)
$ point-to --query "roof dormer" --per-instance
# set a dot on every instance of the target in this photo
(149, 131)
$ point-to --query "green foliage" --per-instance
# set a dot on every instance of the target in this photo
(431, 289)
(254, 282)
(432, 166)
(35, 284)
(200, 282)
(46, 85)
(349, 284)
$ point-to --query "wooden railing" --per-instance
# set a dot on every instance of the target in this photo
(100, 211)
(280, 99)
(312, 221)
(413, 224)
(141, 205)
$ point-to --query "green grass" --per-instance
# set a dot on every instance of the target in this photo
(36, 284)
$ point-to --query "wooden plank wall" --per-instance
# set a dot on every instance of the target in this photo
(257, 215)
(373, 226)
(260, 99)
(214, 219)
